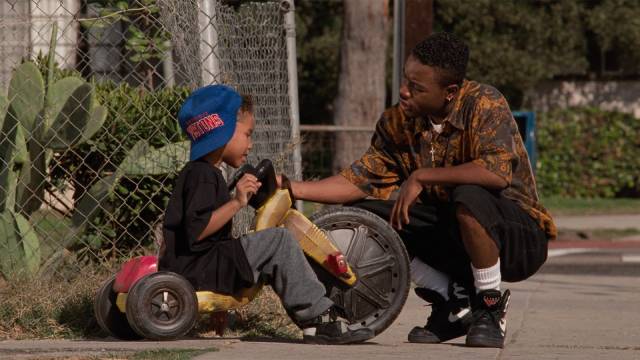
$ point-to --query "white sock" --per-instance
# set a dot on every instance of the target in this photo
(425, 276)
(488, 278)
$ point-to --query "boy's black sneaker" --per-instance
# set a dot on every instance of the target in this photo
(489, 325)
(449, 319)
(328, 329)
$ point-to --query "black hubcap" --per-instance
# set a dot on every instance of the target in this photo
(375, 265)
(165, 306)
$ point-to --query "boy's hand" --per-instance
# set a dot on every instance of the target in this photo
(247, 186)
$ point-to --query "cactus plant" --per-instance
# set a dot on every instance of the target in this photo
(38, 117)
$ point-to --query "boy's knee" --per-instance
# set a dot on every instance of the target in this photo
(283, 235)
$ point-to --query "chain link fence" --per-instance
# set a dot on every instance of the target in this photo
(90, 146)
(319, 147)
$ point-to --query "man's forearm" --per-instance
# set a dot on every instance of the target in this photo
(332, 190)
(468, 173)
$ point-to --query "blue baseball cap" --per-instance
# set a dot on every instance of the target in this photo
(208, 117)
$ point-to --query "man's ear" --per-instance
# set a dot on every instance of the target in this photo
(451, 91)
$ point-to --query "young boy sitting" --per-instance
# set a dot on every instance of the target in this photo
(197, 226)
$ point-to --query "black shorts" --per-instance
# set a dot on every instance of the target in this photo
(433, 233)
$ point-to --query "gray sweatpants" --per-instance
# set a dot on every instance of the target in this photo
(276, 257)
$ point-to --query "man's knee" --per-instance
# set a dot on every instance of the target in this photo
(463, 194)
(468, 199)
(464, 197)
(463, 215)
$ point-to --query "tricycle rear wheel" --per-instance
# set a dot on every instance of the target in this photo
(107, 314)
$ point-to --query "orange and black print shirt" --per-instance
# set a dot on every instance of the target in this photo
(479, 129)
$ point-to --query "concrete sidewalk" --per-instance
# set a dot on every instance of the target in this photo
(552, 316)
(580, 306)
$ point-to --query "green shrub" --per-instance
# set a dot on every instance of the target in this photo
(587, 152)
(134, 113)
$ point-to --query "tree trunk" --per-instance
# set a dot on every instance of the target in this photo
(361, 91)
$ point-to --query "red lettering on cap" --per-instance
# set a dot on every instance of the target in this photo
(203, 126)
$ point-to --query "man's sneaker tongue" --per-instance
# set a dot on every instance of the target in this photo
(490, 299)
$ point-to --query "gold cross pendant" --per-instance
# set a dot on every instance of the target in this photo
(433, 156)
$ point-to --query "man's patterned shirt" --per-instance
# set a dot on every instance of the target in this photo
(479, 129)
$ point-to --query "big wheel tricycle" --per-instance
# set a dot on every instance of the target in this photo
(357, 256)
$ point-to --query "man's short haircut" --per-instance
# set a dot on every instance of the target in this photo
(446, 52)
(247, 104)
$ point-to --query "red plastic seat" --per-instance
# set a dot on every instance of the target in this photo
(133, 270)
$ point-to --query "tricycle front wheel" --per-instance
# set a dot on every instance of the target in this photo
(379, 259)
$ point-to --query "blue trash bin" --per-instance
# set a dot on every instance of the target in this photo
(526, 121)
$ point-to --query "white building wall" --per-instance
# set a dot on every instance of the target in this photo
(25, 30)
(14, 38)
(621, 95)
(43, 14)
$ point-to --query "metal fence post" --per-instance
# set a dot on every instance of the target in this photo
(398, 48)
(290, 27)
(208, 39)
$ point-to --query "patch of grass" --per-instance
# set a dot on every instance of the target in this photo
(596, 234)
(264, 317)
(596, 206)
(614, 233)
(53, 308)
(61, 306)
(32, 308)
(169, 354)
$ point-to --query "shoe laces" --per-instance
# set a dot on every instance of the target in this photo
(493, 315)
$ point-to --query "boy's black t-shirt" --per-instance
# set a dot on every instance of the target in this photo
(216, 263)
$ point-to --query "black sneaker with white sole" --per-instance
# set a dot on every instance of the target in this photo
(328, 329)
(489, 324)
(449, 319)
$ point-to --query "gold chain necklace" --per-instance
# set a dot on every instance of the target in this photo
(434, 135)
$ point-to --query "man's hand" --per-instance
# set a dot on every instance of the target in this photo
(247, 186)
(407, 196)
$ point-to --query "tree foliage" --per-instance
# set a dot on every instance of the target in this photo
(516, 44)
(318, 28)
(616, 27)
